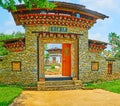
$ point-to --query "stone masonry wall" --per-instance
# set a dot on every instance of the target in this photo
(115, 71)
(28, 58)
(85, 59)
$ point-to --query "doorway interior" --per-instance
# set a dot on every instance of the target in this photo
(57, 60)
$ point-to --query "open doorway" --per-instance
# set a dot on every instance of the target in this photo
(53, 60)
(57, 60)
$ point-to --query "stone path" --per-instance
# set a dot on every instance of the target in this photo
(95, 97)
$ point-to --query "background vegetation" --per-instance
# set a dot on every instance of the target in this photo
(114, 42)
(14, 35)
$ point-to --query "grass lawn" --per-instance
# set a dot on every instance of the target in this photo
(8, 94)
(113, 86)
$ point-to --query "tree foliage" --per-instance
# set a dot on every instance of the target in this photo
(14, 35)
(114, 41)
(28, 3)
(46, 54)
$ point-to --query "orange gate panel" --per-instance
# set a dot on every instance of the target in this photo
(66, 59)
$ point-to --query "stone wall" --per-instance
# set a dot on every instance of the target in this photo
(86, 74)
(29, 61)
(28, 58)
(85, 59)
(115, 71)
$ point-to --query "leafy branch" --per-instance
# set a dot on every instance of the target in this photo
(28, 3)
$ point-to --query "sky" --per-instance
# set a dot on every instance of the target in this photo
(99, 31)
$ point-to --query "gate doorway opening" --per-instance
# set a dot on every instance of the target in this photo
(57, 60)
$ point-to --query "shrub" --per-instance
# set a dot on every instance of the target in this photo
(52, 66)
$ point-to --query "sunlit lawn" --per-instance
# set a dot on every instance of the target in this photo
(7, 94)
(113, 86)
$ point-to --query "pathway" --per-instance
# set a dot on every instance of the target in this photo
(95, 97)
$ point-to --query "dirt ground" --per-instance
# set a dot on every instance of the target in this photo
(95, 97)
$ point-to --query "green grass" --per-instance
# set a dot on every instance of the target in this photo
(8, 94)
(112, 86)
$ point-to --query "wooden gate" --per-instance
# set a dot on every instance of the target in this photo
(66, 59)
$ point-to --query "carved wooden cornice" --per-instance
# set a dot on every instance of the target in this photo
(50, 19)
(64, 14)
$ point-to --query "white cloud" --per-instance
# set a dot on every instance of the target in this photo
(101, 29)
(102, 25)
(9, 31)
(14, 28)
(9, 26)
(98, 36)
(102, 5)
(10, 21)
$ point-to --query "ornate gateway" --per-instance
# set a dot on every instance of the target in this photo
(67, 24)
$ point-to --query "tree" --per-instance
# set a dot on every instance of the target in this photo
(114, 41)
(47, 57)
(11, 36)
(46, 54)
(28, 3)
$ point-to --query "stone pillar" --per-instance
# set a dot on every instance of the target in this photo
(84, 66)
(74, 60)
(41, 61)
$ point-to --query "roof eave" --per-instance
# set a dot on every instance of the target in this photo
(99, 15)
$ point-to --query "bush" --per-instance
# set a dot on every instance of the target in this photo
(52, 66)
(45, 69)
(59, 64)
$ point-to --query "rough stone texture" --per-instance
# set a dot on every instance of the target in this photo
(115, 71)
(28, 58)
(61, 85)
(85, 59)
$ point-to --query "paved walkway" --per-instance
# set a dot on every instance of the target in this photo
(96, 97)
